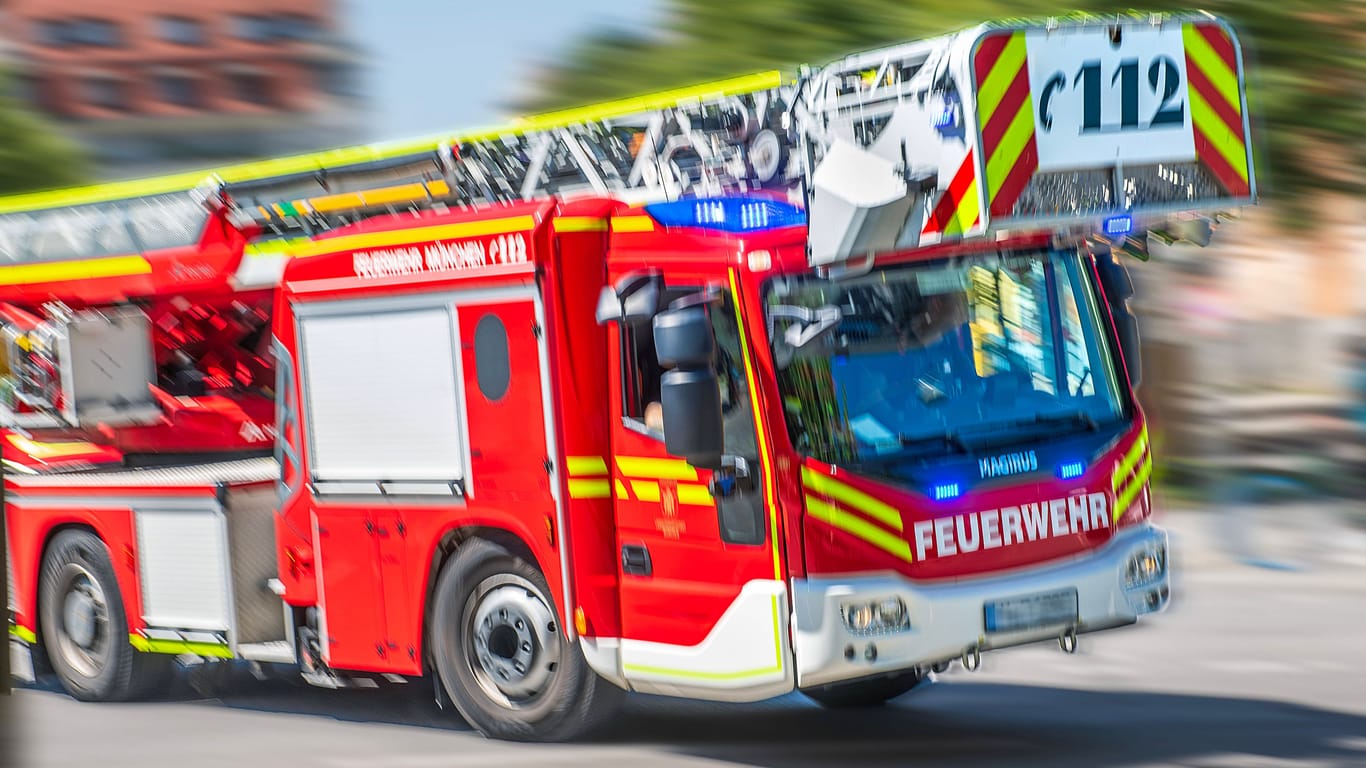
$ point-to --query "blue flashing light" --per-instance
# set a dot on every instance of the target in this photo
(1116, 226)
(946, 491)
(728, 214)
(1071, 469)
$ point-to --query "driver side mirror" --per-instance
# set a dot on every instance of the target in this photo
(1119, 287)
(635, 299)
(690, 392)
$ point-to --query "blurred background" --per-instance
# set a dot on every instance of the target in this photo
(1255, 367)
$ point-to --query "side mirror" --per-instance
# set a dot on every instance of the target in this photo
(1126, 328)
(1119, 287)
(635, 299)
(690, 393)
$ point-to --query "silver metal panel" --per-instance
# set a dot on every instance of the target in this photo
(183, 568)
(380, 395)
(251, 542)
(242, 471)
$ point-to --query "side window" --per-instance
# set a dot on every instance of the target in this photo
(737, 410)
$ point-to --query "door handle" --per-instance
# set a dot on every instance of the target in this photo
(635, 560)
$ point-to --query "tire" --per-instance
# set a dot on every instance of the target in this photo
(864, 693)
(501, 654)
(84, 627)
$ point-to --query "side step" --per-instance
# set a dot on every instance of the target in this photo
(274, 652)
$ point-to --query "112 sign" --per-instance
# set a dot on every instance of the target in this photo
(1098, 104)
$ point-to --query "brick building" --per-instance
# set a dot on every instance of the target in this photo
(158, 85)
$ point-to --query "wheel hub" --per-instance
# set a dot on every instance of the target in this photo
(78, 615)
(516, 644)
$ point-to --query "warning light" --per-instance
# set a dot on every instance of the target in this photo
(1116, 226)
(945, 491)
(1071, 469)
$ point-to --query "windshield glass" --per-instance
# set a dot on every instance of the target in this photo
(944, 356)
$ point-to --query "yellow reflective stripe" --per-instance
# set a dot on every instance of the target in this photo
(1009, 150)
(633, 224)
(147, 645)
(561, 118)
(39, 450)
(278, 247)
(1226, 141)
(1002, 74)
(585, 465)
(645, 490)
(580, 224)
(1130, 493)
(689, 674)
(621, 491)
(658, 469)
(589, 489)
(851, 497)
(401, 193)
(857, 526)
(1224, 80)
(85, 269)
(751, 379)
(417, 235)
(23, 633)
(694, 494)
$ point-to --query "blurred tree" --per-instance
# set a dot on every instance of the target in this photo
(33, 155)
(1305, 61)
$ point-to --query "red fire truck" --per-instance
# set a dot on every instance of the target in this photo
(817, 385)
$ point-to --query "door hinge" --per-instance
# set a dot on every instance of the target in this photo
(536, 330)
(402, 529)
(548, 465)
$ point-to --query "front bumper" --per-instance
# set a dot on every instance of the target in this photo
(947, 620)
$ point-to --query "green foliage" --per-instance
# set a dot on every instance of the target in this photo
(33, 156)
(1305, 62)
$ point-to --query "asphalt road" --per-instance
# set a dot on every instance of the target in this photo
(1250, 667)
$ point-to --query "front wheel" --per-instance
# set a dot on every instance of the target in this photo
(502, 655)
(864, 693)
(84, 627)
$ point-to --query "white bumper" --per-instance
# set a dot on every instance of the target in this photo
(947, 620)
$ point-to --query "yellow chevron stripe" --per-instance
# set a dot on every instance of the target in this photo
(622, 495)
(857, 526)
(645, 490)
(695, 494)
(1228, 143)
(589, 489)
(1012, 145)
(416, 235)
(851, 497)
(966, 215)
(993, 88)
(23, 633)
(85, 269)
(585, 465)
(1224, 80)
(1132, 455)
(658, 469)
(1125, 499)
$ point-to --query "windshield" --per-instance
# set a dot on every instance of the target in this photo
(945, 356)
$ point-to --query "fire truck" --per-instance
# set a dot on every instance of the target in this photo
(817, 384)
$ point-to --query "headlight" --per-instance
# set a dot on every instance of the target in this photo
(873, 617)
(1146, 566)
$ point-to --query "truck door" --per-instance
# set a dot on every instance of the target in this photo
(703, 603)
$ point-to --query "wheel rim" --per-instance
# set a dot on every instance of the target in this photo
(516, 648)
(83, 637)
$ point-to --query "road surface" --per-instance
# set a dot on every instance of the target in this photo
(1251, 667)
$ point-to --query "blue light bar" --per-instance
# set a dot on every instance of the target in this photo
(1119, 225)
(945, 491)
(1071, 469)
(728, 214)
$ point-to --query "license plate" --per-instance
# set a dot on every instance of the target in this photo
(1032, 611)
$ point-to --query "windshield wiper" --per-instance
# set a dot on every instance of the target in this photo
(948, 438)
(1081, 418)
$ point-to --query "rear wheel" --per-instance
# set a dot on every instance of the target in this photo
(864, 693)
(501, 652)
(84, 627)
